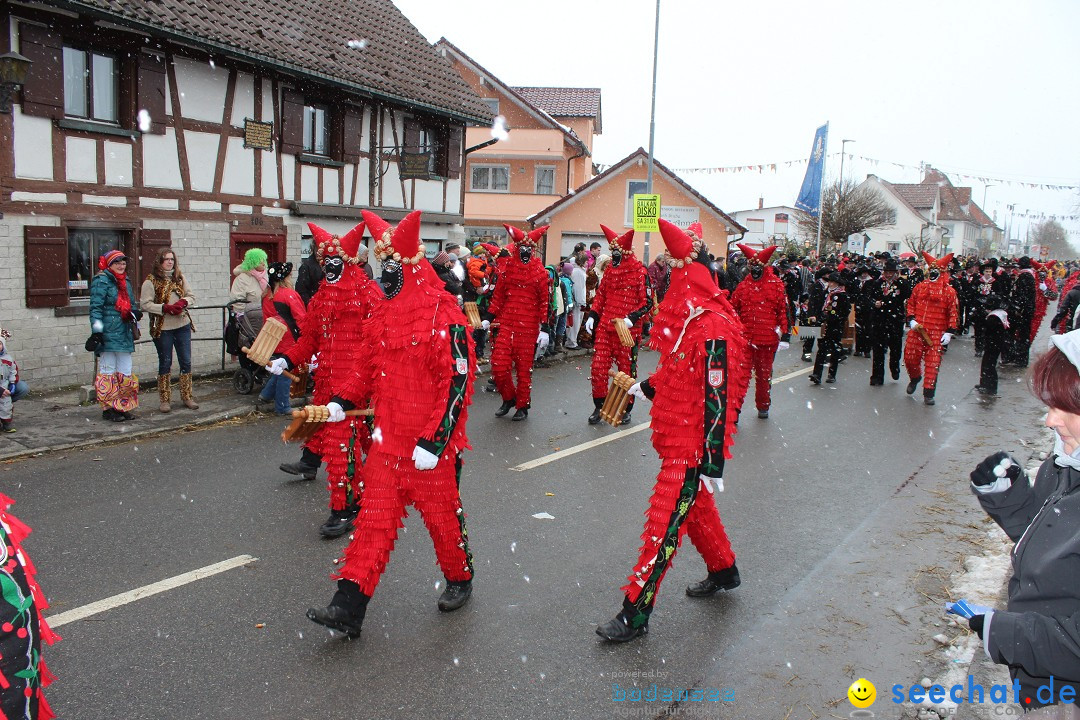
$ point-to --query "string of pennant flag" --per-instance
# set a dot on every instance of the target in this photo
(762, 168)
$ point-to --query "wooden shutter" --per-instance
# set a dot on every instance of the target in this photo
(150, 90)
(292, 122)
(46, 267)
(453, 151)
(412, 136)
(150, 243)
(43, 93)
(352, 126)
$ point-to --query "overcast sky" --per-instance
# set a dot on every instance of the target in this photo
(987, 89)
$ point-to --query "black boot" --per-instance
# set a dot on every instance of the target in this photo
(306, 468)
(626, 413)
(506, 407)
(621, 628)
(831, 378)
(521, 414)
(727, 579)
(928, 396)
(598, 403)
(763, 414)
(346, 610)
(816, 379)
(455, 595)
(914, 383)
(339, 522)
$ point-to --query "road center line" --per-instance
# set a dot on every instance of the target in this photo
(146, 591)
(560, 454)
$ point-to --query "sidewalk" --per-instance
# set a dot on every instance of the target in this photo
(47, 422)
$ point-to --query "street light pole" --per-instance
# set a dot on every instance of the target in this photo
(843, 144)
(652, 120)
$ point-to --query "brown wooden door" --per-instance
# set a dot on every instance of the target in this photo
(240, 243)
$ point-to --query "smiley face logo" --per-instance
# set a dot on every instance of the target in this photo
(862, 693)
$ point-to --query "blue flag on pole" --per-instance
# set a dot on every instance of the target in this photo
(810, 194)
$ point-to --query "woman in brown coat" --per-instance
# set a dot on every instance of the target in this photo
(167, 298)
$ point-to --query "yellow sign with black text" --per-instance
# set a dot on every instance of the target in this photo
(646, 213)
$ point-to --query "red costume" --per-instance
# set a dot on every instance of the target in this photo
(519, 304)
(1043, 295)
(333, 328)
(761, 303)
(624, 294)
(933, 306)
(1068, 284)
(417, 370)
(697, 390)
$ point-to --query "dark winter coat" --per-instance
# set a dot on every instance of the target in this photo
(308, 278)
(888, 318)
(1022, 300)
(117, 331)
(1039, 634)
(1066, 310)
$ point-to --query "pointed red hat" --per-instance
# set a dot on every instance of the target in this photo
(402, 243)
(695, 227)
(680, 246)
(624, 242)
(762, 256)
(520, 237)
(1037, 266)
(327, 244)
(941, 264)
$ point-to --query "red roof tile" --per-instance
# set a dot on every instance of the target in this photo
(367, 46)
(565, 101)
(918, 196)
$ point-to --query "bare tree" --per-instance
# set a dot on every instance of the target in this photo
(919, 245)
(1051, 235)
(845, 210)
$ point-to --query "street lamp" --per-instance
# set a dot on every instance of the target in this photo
(13, 69)
(843, 144)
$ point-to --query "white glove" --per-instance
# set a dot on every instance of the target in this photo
(629, 323)
(945, 338)
(783, 345)
(708, 482)
(636, 391)
(423, 459)
(485, 289)
(485, 324)
(589, 325)
(1042, 286)
(278, 366)
(543, 339)
(913, 325)
(337, 413)
(777, 331)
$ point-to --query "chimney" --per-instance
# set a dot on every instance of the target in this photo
(760, 203)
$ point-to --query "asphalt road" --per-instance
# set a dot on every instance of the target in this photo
(111, 519)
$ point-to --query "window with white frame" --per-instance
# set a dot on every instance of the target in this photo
(893, 247)
(432, 143)
(545, 180)
(91, 85)
(755, 225)
(490, 178)
(633, 187)
(492, 103)
(316, 130)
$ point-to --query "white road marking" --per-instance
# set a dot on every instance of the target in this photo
(146, 591)
(560, 454)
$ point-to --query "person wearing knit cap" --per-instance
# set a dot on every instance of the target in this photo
(113, 321)
(624, 296)
(834, 318)
(761, 302)
(519, 305)
(696, 393)
(444, 264)
(416, 369)
(932, 314)
(334, 328)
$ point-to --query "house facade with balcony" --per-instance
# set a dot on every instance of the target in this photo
(210, 128)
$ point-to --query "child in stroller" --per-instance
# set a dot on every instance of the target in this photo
(240, 332)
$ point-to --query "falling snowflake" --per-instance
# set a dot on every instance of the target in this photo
(144, 121)
(356, 44)
(499, 130)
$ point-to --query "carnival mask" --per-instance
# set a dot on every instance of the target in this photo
(392, 278)
(525, 253)
(616, 258)
(333, 267)
(934, 274)
(757, 270)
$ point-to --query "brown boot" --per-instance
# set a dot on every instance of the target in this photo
(164, 388)
(185, 392)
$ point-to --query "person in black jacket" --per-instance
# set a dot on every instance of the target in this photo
(444, 268)
(834, 317)
(1021, 311)
(865, 277)
(995, 324)
(886, 301)
(982, 287)
(813, 302)
(1067, 310)
(308, 278)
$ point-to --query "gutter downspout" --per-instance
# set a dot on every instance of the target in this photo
(570, 160)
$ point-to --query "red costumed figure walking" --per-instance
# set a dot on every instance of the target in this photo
(696, 393)
(932, 314)
(1045, 291)
(624, 296)
(519, 305)
(761, 302)
(334, 329)
(417, 370)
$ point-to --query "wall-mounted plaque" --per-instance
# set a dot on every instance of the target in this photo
(258, 135)
(414, 166)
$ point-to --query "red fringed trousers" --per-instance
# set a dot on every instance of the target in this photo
(341, 446)
(916, 354)
(391, 483)
(760, 360)
(677, 507)
(519, 348)
(607, 348)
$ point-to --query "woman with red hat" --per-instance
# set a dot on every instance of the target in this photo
(696, 392)
(114, 321)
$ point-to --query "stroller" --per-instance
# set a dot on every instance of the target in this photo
(240, 332)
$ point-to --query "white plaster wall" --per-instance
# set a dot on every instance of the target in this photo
(267, 102)
(239, 177)
(81, 160)
(243, 99)
(391, 188)
(349, 171)
(118, 163)
(269, 173)
(428, 195)
(331, 190)
(202, 151)
(362, 183)
(288, 167)
(454, 198)
(33, 146)
(309, 183)
(202, 89)
(161, 163)
(907, 223)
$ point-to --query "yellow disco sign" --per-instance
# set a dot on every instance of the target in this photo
(646, 213)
